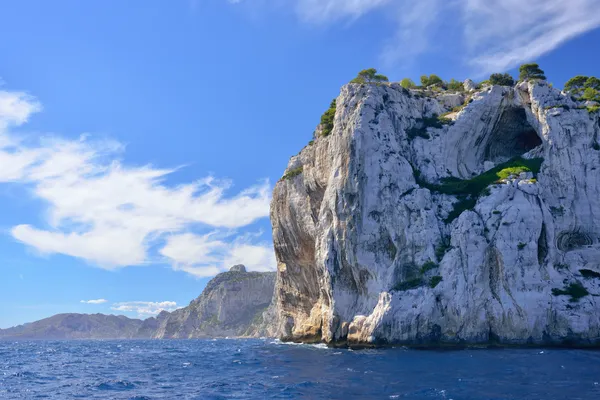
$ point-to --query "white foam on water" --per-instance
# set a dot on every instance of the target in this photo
(321, 346)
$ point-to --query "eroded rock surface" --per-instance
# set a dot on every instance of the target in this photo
(373, 248)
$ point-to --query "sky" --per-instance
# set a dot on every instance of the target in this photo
(140, 140)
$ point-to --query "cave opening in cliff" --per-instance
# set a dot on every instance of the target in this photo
(511, 136)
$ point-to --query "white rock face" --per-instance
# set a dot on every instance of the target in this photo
(469, 85)
(362, 218)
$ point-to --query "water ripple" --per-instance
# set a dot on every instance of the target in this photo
(267, 369)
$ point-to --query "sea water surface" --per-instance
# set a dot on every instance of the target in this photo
(267, 369)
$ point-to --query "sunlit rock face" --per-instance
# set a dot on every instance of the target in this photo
(381, 237)
(232, 304)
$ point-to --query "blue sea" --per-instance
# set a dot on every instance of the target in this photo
(268, 369)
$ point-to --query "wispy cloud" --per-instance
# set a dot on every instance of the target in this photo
(98, 301)
(501, 34)
(104, 211)
(327, 10)
(145, 308)
(491, 35)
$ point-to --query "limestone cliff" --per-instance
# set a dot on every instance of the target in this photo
(479, 226)
(232, 304)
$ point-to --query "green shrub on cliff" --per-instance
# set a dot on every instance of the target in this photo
(407, 285)
(530, 71)
(502, 79)
(576, 290)
(428, 266)
(455, 85)
(434, 281)
(328, 118)
(592, 83)
(589, 274)
(407, 83)
(468, 190)
(476, 185)
(431, 80)
(586, 88)
(421, 125)
(292, 173)
(576, 84)
(369, 76)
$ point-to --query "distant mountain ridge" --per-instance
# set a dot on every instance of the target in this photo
(232, 304)
(77, 326)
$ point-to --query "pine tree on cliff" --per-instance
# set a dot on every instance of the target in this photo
(530, 71)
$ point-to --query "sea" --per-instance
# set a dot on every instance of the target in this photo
(269, 369)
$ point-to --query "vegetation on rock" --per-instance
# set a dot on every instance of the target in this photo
(589, 274)
(585, 88)
(434, 281)
(421, 125)
(369, 76)
(407, 285)
(408, 83)
(502, 79)
(476, 185)
(530, 71)
(292, 173)
(431, 80)
(468, 190)
(327, 119)
(455, 85)
(576, 84)
(441, 250)
(419, 281)
(576, 290)
(428, 266)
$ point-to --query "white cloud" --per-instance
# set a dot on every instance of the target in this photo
(489, 35)
(106, 212)
(15, 108)
(207, 255)
(98, 301)
(145, 308)
(324, 10)
(256, 257)
(502, 34)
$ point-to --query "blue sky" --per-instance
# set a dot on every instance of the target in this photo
(140, 140)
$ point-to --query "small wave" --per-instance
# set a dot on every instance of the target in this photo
(321, 346)
(116, 385)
